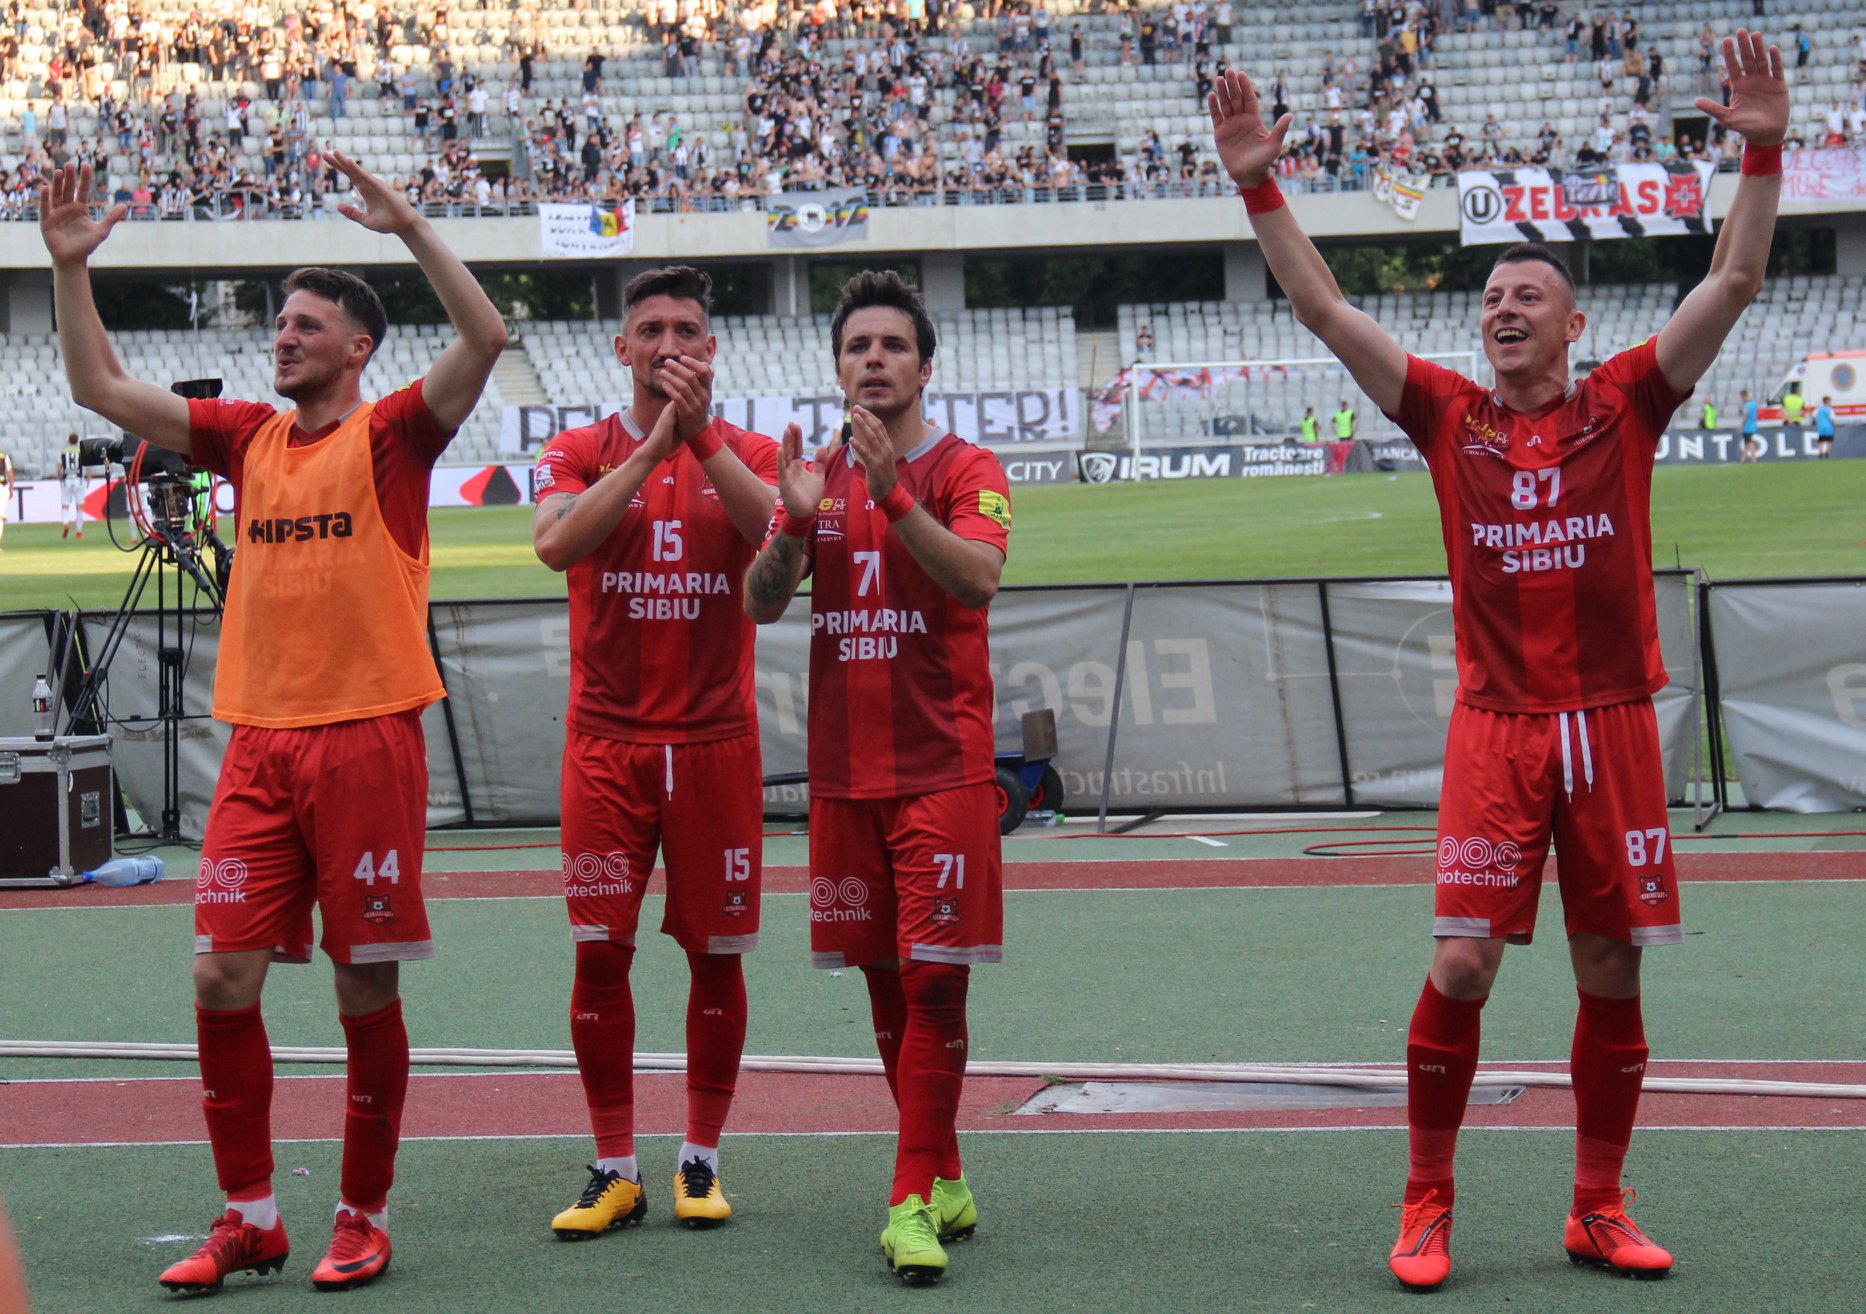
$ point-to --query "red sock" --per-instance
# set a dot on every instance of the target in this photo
(1608, 1064)
(715, 1040)
(236, 1096)
(932, 1073)
(602, 1031)
(889, 1007)
(1441, 1060)
(372, 1124)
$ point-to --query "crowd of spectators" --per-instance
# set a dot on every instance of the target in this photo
(161, 109)
(1391, 114)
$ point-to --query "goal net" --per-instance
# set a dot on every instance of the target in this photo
(1170, 404)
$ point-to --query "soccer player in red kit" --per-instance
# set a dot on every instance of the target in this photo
(1544, 488)
(903, 528)
(654, 514)
(323, 669)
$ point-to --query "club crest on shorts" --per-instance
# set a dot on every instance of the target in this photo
(946, 910)
(1652, 891)
(736, 905)
(377, 910)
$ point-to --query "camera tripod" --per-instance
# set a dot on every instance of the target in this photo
(170, 555)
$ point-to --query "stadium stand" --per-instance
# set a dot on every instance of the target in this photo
(660, 77)
(768, 355)
(737, 100)
(1792, 317)
(35, 371)
(765, 355)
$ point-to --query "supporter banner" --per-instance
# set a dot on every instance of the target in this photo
(1725, 447)
(582, 231)
(1107, 401)
(1615, 200)
(1010, 415)
(1401, 190)
(1827, 174)
(824, 218)
(1791, 677)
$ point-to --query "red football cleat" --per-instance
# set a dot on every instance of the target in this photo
(1421, 1258)
(233, 1246)
(359, 1252)
(1607, 1238)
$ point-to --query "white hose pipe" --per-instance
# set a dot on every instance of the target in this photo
(1353, 1078)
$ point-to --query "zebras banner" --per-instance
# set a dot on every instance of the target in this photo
(1591, 204)
(817, 218)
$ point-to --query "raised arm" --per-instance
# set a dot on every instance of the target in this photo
(969, 571)
(459, 374)
(567, 527)
(97, 378)
(1249, 150)
(772, 579)
(1758, 112)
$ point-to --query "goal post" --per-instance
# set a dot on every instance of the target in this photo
(1195, 403)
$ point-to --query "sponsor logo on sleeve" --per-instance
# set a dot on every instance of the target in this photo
(995, 507)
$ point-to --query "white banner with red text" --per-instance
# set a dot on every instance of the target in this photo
(991, 417)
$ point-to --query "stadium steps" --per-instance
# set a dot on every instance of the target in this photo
(517, 378)
(1098, 355)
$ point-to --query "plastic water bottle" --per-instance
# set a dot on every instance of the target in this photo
(42, 711)
(144, 869)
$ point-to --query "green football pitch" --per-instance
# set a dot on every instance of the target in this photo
(1733, 522)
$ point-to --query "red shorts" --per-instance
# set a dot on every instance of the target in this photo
(917, 877)
(702, 805)
(334, 815)
(1593, 780)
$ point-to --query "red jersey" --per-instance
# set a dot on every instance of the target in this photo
(660, 646)
(900, 670)
(1547, 519)
(404, 444)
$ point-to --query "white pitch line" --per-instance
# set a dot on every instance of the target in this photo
(1396, 1127)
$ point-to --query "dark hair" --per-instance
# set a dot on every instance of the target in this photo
(357, 299)
(883, 287)
(1541, 254)
(681, 281)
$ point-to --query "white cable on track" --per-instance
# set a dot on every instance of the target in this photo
(1354, 1078)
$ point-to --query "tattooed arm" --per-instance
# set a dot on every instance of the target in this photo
(567, 527)
(772, 580)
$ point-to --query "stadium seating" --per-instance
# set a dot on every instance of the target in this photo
(1477, 73)
(1792, 317)
(759, 356)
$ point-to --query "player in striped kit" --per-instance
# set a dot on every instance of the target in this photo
(1544, 487)
(903, 528)
(654, 514)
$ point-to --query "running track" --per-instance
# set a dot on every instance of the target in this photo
(166, 1110)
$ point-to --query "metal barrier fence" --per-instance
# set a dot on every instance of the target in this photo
(1237, 695)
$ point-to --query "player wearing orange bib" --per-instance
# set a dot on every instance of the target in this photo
(323, 669)
(654, 514)
(1543, 486)
(903, 530)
